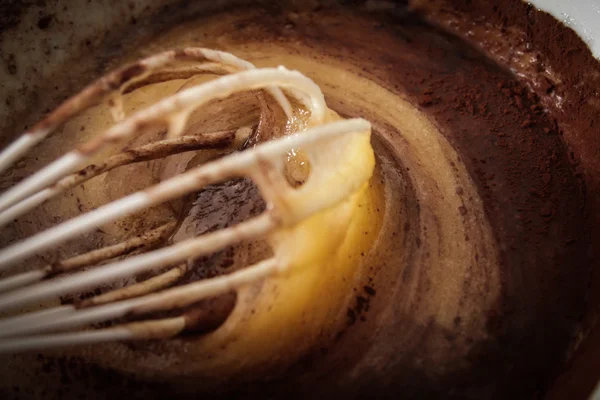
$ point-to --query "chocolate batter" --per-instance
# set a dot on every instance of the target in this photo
(486, 152)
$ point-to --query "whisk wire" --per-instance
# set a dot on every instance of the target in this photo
(264, 165)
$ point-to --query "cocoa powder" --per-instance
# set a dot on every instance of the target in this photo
(565, 75)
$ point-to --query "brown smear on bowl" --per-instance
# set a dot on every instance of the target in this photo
(555, 64)
(522, 157)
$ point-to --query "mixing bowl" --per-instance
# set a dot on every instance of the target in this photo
(484, 283)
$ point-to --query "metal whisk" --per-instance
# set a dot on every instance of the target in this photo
(324, 143)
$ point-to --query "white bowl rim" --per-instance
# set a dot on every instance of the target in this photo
(583, 16)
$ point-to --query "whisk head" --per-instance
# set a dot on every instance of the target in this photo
(336, 161)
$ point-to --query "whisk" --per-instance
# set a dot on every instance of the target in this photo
(328, 143)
